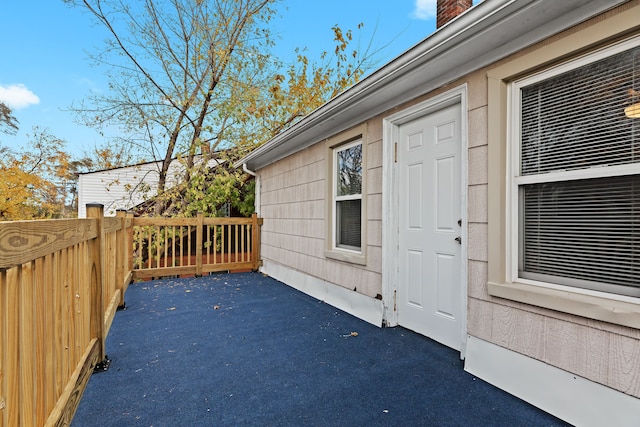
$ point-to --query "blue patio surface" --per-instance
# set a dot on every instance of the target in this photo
(244, 349)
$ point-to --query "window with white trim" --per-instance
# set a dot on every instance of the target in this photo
(575, 174)
(347, 197)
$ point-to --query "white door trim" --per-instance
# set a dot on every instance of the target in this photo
(390, 201)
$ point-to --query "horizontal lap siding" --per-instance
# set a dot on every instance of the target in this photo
(294, 207)
(602, 352)
(121, 188)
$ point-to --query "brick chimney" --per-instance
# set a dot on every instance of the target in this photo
(449, 9)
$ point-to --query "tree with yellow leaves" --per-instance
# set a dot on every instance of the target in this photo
(191, 79)
(35, 181)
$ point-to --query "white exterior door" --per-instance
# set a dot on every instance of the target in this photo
(429, 289)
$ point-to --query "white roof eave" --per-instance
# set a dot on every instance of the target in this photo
(486, 33)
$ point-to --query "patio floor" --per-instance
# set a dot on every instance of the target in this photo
(244, 349)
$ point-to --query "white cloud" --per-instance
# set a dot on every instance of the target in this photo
(18, 96)
(425, 9)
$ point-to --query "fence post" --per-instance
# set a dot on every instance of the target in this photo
(129, 246)
(121, 254)
(199, 231)
(255, 242)
(96, 259)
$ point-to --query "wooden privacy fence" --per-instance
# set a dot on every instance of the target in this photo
(194, 246)
(61, 282)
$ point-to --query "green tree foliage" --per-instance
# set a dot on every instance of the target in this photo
(214, 191)
(194, 79)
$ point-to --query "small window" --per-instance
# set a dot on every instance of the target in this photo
(576, 174)
(347, 197)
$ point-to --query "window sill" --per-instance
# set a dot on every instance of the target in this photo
(351, 257)
(617, 311)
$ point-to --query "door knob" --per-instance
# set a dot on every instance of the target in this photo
(459, 240)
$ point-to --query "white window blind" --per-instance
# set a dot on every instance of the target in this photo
(581, 232)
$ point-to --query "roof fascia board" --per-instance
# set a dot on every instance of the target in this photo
(136, 165)
(156, 163)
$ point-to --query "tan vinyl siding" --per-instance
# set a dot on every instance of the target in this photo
(294, 208)
(603, 352)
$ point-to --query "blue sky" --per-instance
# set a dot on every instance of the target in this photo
(44, 66)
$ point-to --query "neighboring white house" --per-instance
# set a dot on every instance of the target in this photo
(124, 187)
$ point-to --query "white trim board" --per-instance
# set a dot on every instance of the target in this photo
(390, 201)
(569, 397)
(358, 305)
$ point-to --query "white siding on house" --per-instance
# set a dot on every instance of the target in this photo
(122, 188)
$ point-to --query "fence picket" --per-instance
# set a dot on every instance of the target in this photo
(60, 287)
(227, 246)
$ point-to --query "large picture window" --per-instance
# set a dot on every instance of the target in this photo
(575, 187)
(347, 196)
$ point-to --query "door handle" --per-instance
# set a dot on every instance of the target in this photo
(459, 240)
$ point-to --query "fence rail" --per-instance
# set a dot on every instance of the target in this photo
(182, 246)
(61, 282)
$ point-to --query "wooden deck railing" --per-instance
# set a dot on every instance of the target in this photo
(194, 246)
(61, 282)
